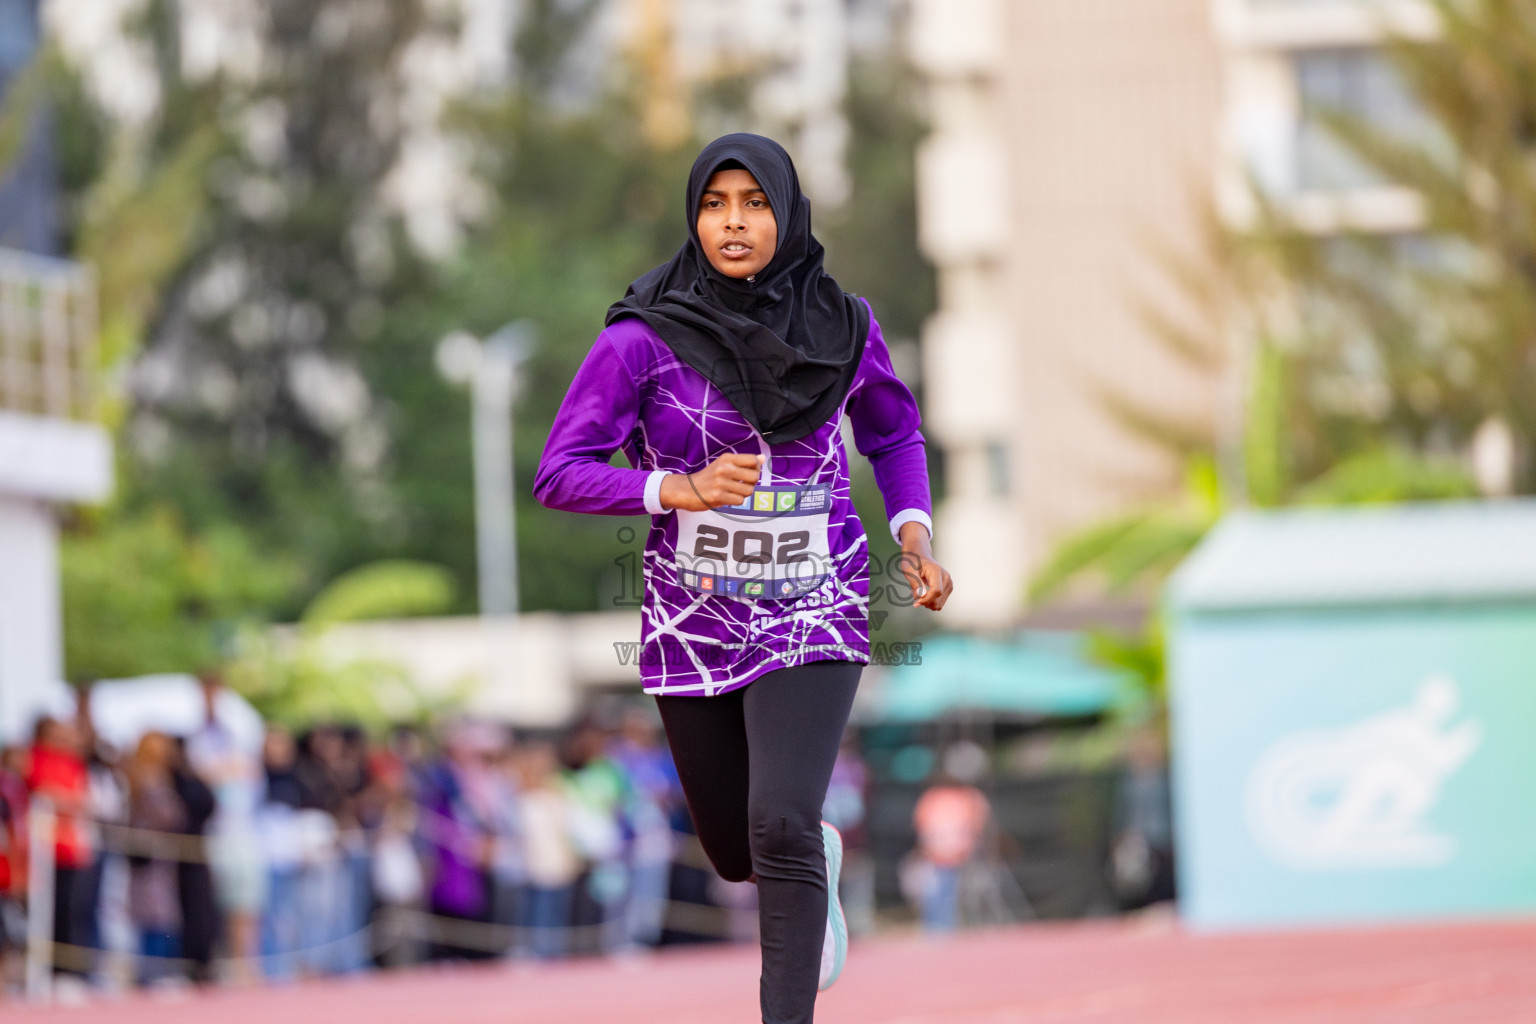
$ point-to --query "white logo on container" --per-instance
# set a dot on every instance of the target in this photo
(1356, 797)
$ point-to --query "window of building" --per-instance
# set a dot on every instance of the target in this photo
(998, 476)
(1359, 82)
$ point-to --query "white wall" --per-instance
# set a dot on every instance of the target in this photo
(53, 459)
(31, 638)
(41, 461)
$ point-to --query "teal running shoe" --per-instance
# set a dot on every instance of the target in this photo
(834, 947)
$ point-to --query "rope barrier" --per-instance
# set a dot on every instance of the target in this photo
(85, 958)
(392, 925)
(481, 936)
(191, 848)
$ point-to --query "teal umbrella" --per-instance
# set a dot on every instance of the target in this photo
(1039, 675)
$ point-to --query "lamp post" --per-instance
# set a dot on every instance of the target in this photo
(489, 367)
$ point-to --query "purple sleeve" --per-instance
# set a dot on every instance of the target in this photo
(885, 429)
(595, 420)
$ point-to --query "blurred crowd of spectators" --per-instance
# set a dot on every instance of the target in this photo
(191, 858)
(239, 851)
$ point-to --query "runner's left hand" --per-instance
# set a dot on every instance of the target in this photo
(929, 581)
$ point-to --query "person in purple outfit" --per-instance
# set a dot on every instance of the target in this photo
(724, 375)
(458, 823)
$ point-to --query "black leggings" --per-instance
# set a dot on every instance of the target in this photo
(754, 765)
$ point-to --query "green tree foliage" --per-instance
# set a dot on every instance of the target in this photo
(1122, 553)
(144, 595)
(298, 678)
(1142, 657)
(248, 404)
(156, 210)
(583, 206)
(295, 682)
(382, 590)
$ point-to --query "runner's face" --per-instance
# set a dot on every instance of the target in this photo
(736, 227)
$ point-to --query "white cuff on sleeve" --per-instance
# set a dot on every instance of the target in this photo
(653, 492)
(910, 515)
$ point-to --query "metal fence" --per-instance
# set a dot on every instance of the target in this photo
(48, 336)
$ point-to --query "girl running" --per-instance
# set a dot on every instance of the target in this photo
(724, 376)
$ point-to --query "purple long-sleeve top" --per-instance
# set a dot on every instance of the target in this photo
(632, 393)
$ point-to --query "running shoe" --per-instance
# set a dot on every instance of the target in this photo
(834, 946)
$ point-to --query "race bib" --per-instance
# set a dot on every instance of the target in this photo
(772, 545)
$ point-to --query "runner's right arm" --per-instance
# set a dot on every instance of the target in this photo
(596, 419)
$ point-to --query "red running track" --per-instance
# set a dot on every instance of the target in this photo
(1105, 973)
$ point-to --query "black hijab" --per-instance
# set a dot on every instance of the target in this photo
(784, 348)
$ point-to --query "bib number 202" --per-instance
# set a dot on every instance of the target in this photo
(750, 547)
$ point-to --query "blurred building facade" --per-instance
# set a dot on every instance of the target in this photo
(1063, 136)
(1283, 64)
(1071, 147)
(51, 450)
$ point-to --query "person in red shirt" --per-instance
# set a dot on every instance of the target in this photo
(950, 820)
(56, 771)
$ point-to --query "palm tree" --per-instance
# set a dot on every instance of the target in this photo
(1132, 552)
(1374, 360)
(1438, 331)
(1437, 327)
